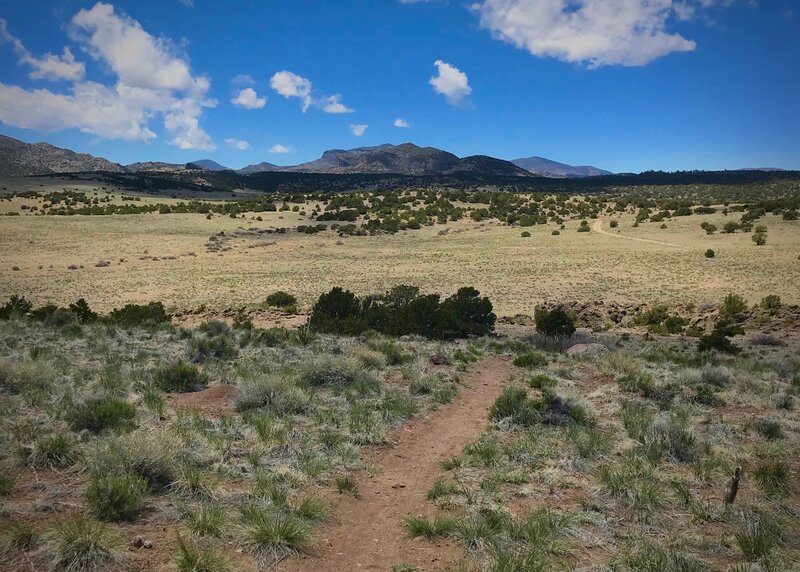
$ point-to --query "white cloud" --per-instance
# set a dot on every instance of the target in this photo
(333, 104)
(279, 149)
(402, 123)
(243, 79)
(237, 143)
(248, 98)
(450, 82)
(49, 66)
(290, 85)
(187, 3)
(151, 80)
(593, 32)
(358, 129)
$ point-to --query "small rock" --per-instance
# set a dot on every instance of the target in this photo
(439, 360)
(142, 542)
(102, 264)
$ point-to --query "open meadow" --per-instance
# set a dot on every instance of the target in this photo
(189, 260)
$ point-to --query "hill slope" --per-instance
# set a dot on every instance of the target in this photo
(18, 158)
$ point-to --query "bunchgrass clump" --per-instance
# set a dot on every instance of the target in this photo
(80, 544)
(274, 534)
(207, 519)
(770, 429)
(346, 484)
(774, 478)
(442, 488)
(56, 451)
(193, 558)
(531, 359)
(647, 556)
(312, 509)
(179, 377)
(327, 370)
(274, 393)
(758, 538)
(100, 413)
(7, 482)
(116, 497)
(430, 528)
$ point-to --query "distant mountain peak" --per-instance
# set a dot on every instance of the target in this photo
(548, 168)
(18, 158)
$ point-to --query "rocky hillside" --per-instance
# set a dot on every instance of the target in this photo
(18, 158)
(405, 159)
(547, 168)
(262, 167)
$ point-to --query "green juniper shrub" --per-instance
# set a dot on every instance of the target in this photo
(101, 412)
(525, 234)
(16, 307)
(132, 315)
(710, 253)
(719, 338)
(218, 347)
(613, 224)
(82, 311)
(771, 304)
(179, 377)
(281, 299)
(556, 322)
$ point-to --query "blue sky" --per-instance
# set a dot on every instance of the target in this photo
(625, 85)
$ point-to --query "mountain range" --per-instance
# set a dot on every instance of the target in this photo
(18, 158)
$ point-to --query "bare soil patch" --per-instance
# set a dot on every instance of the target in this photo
(215, 401)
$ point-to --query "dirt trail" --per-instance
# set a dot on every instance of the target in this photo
(598, 228)
(367, 533)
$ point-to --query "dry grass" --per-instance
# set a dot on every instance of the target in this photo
(515, 272)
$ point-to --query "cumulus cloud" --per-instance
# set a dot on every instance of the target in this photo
(151, 80)
(591, 32)
(49, 66)
(402, 123)
(358, 129)
(450, 82)
(333, 104)
(279, 149)
(291, 85)
(248, 98)
(237, 143)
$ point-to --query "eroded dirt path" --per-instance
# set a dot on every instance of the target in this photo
(367, 533)
(598, 228)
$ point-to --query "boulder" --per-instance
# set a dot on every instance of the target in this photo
(592, 349)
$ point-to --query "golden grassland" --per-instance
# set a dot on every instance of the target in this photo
(516, 272)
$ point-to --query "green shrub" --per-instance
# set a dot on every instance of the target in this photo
(7, 482)
(101, 412)
(542, 381)
(327, 370)
(771, 304)
(710, 253)
(613, 224)
(281, 299)
(218, 347)
(16, 307)
(80, 544)
(131, 315)
(273, 393)
(83, 312)
(149, 455)
(114, 498)
(556, 322)
(770, 429)
(179, 377)
(530, 359)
